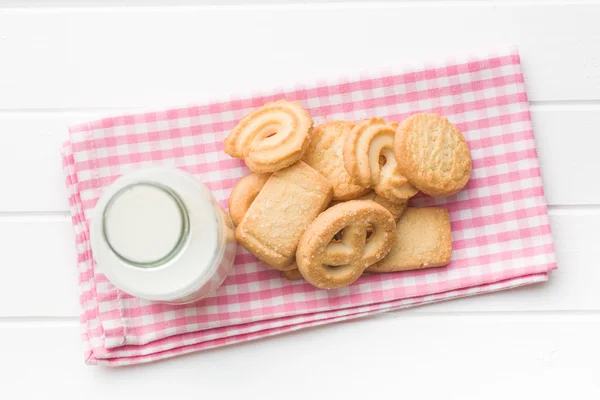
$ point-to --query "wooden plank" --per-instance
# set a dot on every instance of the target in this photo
(451, 357)
(30, 156)
(38, 277)
(566, 139)
(176, 3)
(41, 272)
(121, 57)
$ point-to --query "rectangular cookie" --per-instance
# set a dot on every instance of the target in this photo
(423, 240)
(290, 200)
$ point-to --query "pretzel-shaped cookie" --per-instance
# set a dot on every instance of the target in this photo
(369, 159)
(328, 265)
(272, 137)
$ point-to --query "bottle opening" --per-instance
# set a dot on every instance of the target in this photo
(145, 224)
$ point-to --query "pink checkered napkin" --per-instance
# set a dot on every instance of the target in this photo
(501, 234)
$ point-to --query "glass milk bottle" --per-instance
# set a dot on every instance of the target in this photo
(159, 234)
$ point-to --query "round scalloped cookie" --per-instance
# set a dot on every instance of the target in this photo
(433, 154)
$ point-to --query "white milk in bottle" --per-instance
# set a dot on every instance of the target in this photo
(160, 235)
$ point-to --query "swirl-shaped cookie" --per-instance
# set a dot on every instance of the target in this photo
(272, 137)
(433, 154)
(370, 161)
(327, 263)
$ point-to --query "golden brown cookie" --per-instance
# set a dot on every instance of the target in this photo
(292, 274)
(396, 209)
(328, 264)
(272, 137)
(423, 240)
(325, 155)
(370, 161)
(433, 154)
(244, 193)
(289, 201)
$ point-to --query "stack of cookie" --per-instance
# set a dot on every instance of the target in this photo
(329, 203)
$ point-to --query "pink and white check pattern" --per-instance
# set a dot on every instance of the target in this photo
(501, 233)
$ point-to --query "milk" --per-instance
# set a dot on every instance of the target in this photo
(143, 224)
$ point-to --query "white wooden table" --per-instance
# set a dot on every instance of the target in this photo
(63, 65)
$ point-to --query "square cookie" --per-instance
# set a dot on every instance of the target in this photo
(423, 240)
(290, 200)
